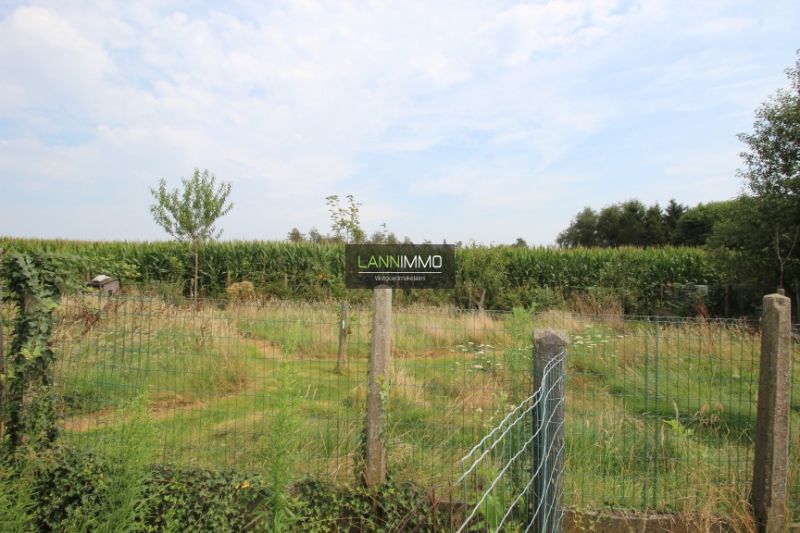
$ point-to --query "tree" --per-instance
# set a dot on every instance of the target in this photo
(380, 236)
(622, 224)
(655, 227)
(672, 214)
(344, 220)
(772, 169)
(315, 236)
(295, 236)
(581, 232)
(520, 243)
(739, 245)
(627, 223)
(189, 214)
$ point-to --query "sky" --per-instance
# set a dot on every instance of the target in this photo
(459, 121)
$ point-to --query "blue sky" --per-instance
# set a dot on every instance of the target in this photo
(482, 121)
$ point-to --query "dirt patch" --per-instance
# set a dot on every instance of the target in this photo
(163, 408)
(86, 423)
(223, 428)
(266, 348)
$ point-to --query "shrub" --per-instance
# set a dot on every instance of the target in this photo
(243, 290)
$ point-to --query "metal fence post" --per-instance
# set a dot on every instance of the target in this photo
(549, 423)
(378, 388)
(770, 474)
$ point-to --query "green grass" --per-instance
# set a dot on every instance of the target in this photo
(659, 415)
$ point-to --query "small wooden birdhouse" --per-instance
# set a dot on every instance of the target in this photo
(105, 284)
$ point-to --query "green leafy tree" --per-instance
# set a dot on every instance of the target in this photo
(622, 224)
(656, 231)
(345, 222)
(754, 244)
(672, 214)
(295, 236)
(697, 224)
(627, 223)
(189, 213)
(772, 171)
(315, 236)
(581, 232)
(380, 236)
(738, 248)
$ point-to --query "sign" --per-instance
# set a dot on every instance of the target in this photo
(402, 266)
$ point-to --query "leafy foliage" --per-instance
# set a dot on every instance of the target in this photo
(345, 220)
(772, 174)
(630, 223)
(69, 491)
(757, 238)
(35, 282)
(189, 215)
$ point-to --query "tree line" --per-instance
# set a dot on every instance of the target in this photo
(751, 239)
(631, 223)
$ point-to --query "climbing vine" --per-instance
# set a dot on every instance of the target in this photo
(34, 283)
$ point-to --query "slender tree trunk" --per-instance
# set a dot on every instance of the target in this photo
(196, 269)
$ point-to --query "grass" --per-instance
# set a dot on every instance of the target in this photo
(659, 413)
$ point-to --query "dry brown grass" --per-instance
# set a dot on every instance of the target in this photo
(606, 306)
(406, 387)
(247, 421)
(483, 396)
(424, 331)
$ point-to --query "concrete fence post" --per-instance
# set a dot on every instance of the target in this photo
(378, 388)
(770, 474)
(548, 421)
(341, 355)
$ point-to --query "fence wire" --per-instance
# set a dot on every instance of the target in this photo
(660, 412)
(227, 385)
(513, 475)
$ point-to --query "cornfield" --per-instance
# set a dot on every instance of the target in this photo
(499, 277)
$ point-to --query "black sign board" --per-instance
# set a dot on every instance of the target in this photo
(402, 266)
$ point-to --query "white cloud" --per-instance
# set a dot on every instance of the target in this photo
(293, 101)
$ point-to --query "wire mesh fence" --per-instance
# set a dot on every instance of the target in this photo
(223, 381)
(659, 412)
(511, 480)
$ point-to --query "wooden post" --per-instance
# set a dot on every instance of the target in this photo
(378, 388)
(770, 474)
(548, 424)
(341, 355)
